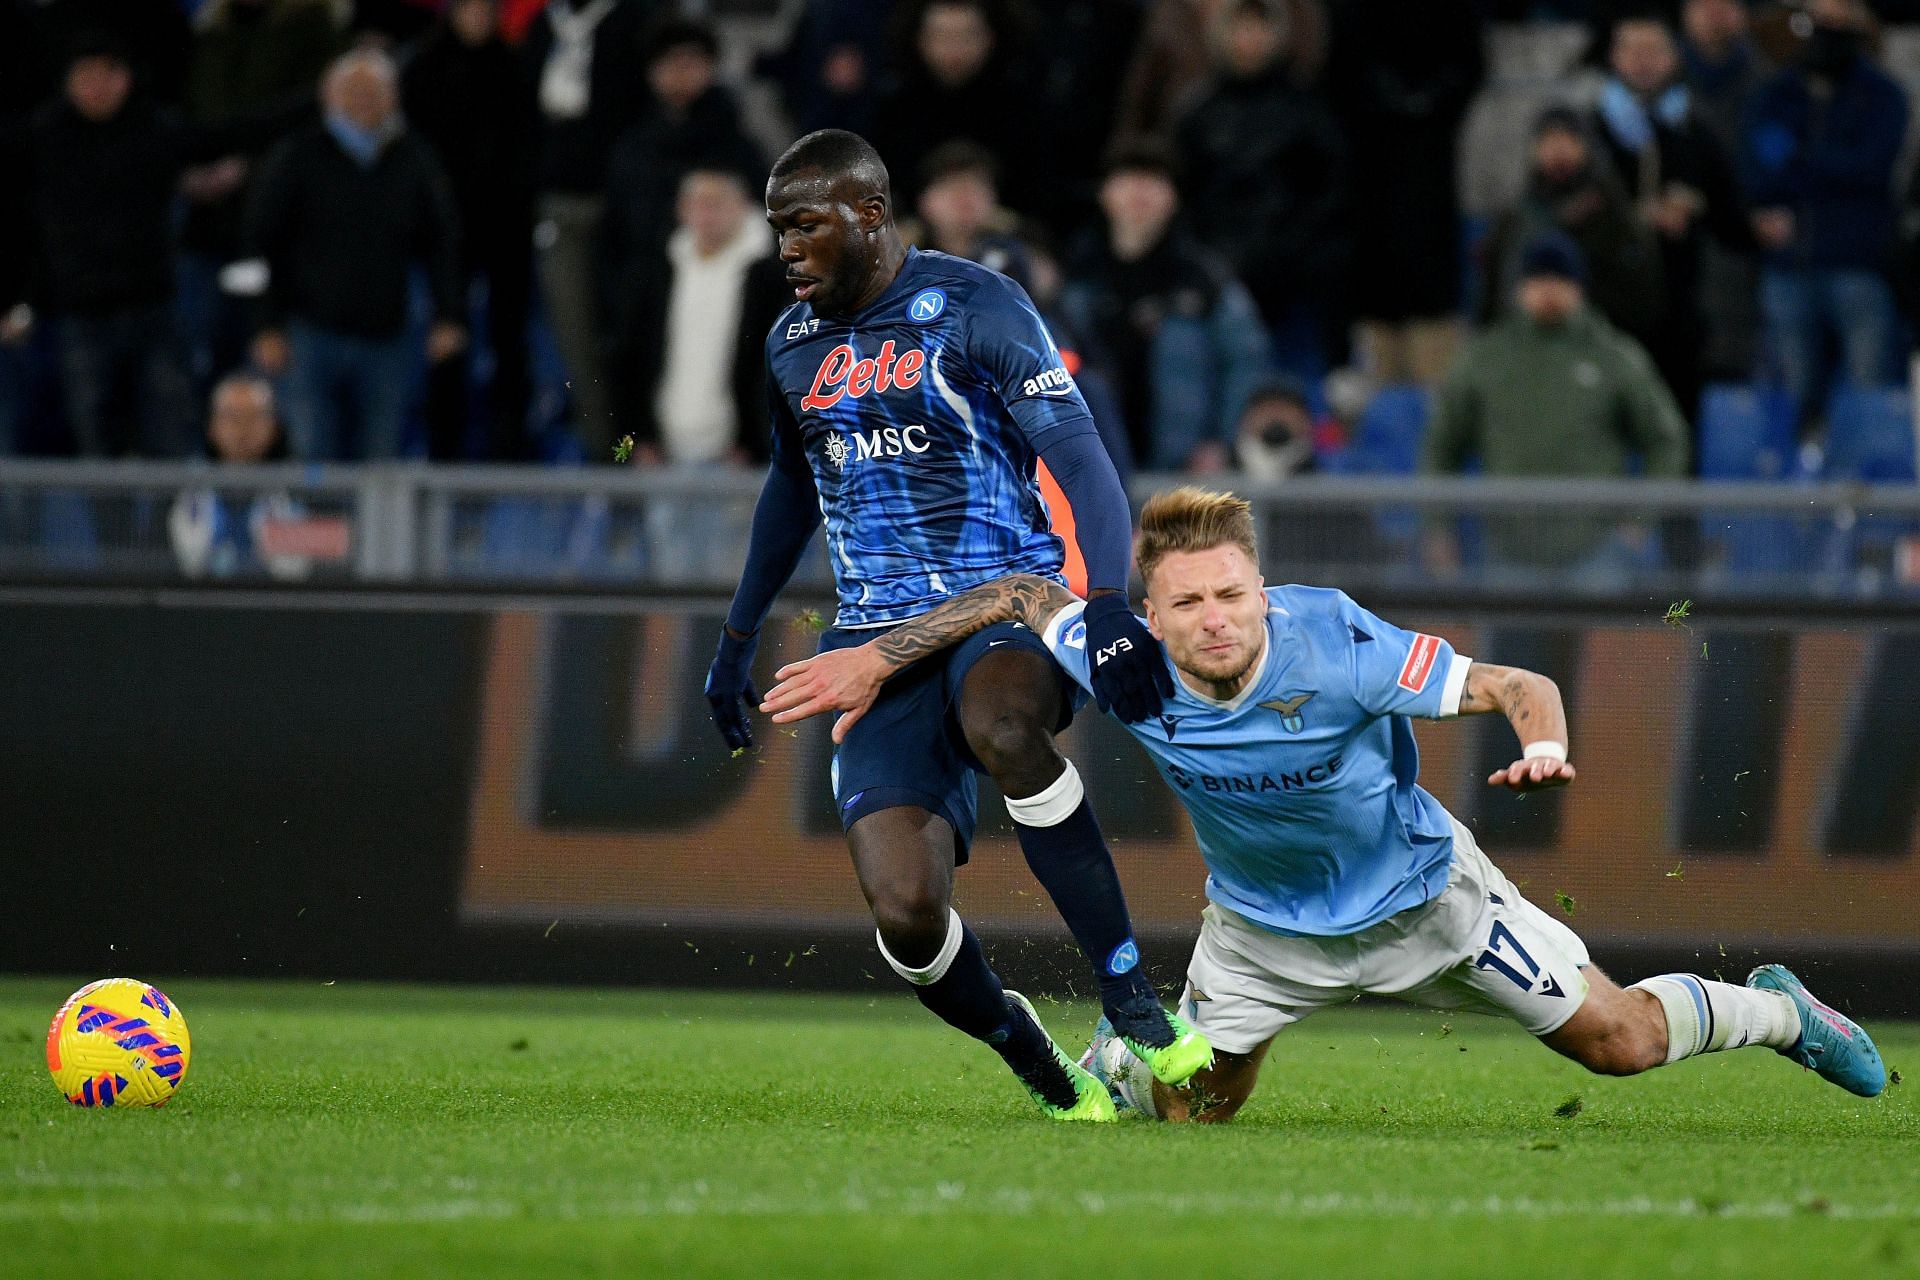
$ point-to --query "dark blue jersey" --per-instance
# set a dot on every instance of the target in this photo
(919, 420)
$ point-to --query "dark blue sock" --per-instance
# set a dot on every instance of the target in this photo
(967, 996)
(1070, 858)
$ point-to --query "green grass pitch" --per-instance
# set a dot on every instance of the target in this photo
(344, 1130)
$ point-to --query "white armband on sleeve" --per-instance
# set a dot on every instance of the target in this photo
(1455, 687)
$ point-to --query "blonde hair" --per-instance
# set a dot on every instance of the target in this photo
(1192, 519)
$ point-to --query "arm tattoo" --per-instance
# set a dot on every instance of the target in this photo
(1477, 697)
(1531, 701)
(1515, 699)
(1511, 693)
(1023, 597)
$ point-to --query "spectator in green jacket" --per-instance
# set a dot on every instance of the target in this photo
(1555, 390)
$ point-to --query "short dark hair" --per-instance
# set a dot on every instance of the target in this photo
(962, 155)
(670, 34)
(1561, 118)
(1265, 10)
(1281, 389)
(1142, 155)
(836, 152)
(1638, 13)
(987, 9)
(1553, 254)
(98, 42)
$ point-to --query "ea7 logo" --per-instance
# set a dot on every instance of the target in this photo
(801, 328)
(1053, 382)
(1112, 651)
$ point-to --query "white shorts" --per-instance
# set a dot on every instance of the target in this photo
(1478, 946)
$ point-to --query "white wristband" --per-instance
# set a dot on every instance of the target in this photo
(1546, 748)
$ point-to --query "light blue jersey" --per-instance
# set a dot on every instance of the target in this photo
(1302, 788)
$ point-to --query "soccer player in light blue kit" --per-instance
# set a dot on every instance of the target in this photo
(1332, 873)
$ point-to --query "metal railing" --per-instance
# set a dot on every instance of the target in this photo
(621, 528)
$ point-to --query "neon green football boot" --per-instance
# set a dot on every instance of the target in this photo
(1174, 1064)
(1092, 1102)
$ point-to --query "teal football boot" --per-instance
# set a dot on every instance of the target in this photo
(1830, 1043)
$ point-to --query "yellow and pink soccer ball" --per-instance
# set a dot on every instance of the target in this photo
(118, 1043)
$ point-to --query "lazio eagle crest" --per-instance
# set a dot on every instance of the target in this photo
(1289, 708)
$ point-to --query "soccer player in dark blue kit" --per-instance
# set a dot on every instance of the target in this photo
(911, 395)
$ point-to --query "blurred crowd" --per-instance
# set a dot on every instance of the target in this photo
(522, 229)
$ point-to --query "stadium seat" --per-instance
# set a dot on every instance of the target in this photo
(1746, 433)
(1870, 435)
(557, 538)
(69, 536)
(1387, 439)
(1870, 440)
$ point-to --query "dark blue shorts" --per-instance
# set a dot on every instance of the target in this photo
(909, 751)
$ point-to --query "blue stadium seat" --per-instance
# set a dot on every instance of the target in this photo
(68, 536)
(1746, 433)
(1387, 439)
(560, 538)
(1870, 435)
(1870, 439)
(1761, 547)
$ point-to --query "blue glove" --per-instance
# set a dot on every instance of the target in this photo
(1129, 675)
(729, 680)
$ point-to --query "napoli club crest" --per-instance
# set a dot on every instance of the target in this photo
(837, 451)
(926, 306)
